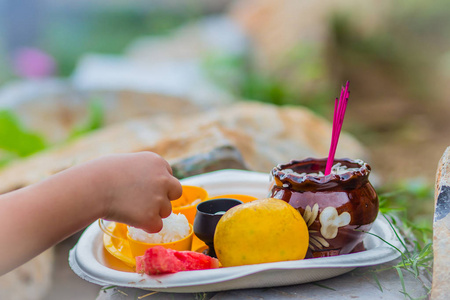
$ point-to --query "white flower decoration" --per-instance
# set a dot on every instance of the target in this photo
(331, 221)
(310, 215)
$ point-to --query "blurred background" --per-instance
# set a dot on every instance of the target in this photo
(394, 53)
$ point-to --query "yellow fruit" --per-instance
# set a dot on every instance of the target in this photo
(261, 231)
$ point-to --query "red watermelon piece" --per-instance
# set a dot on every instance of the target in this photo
(159, 260)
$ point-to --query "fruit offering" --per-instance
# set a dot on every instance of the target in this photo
(261, 231)
(159, 260)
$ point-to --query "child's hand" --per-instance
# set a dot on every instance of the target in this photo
(137, 189)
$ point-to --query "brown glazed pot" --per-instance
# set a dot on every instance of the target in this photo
(338, 209)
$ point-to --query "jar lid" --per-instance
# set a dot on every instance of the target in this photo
(308, 174)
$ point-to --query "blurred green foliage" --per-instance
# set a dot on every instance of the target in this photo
(239, 77)
(409, 201)
(70, 34)
(16, 140)
(242, 79)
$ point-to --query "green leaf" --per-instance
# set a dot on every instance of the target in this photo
(415, 268)
(404, 257)
(375, 277)
(16, 139)
(402, 280)
(323, 286)
(396, 234)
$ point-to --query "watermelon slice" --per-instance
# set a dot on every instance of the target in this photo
(159, 260)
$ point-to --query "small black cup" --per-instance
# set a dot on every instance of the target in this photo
(208, 215)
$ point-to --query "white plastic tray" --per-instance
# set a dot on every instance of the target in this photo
(87, 258)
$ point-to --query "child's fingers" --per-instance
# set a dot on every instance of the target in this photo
(154, 226)
(174, 189)
(165, 210)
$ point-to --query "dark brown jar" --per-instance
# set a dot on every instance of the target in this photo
(338, 208)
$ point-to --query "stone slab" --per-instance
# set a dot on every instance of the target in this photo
(441, 231)
(264, 134)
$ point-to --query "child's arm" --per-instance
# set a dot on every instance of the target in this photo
(131, 188)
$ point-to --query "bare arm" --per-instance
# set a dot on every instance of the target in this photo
(132, 188)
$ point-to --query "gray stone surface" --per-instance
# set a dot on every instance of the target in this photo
(441, 231)
(222, 157)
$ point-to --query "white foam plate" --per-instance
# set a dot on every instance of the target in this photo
(87, 257)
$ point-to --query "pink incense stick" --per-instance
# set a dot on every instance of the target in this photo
(340, 105)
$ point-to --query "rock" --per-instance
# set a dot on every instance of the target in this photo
(264, 135)
(441, 230)
(209, 151)
(268, 135)
(225, 157)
